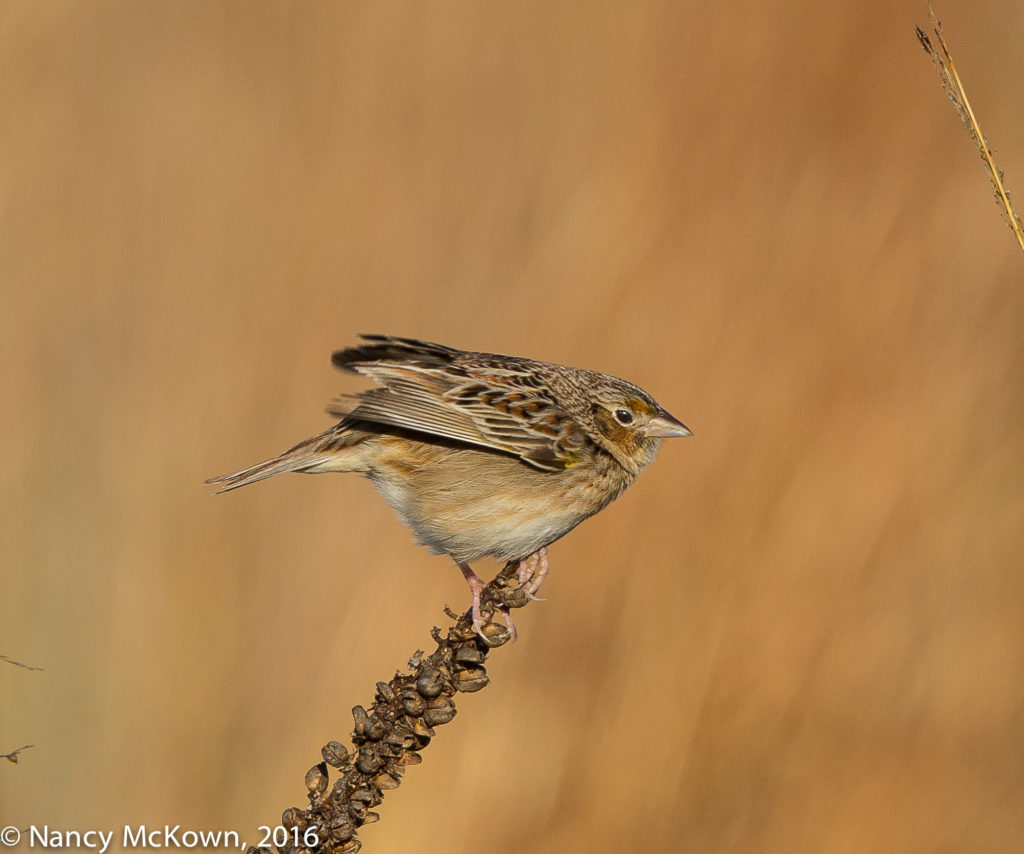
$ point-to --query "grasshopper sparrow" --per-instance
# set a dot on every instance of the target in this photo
(482, 455)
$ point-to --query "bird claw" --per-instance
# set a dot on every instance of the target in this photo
(510, 624)
(476, 587)
(532, 572)
(479, 624)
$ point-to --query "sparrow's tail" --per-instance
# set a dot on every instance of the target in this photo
(322, 453)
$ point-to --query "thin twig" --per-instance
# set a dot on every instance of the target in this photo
(13, 755)
(19, 664)
(391, 735)
(954, 89)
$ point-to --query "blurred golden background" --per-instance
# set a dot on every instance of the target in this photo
(801, 630)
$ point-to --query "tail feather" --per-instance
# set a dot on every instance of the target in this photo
(268, 468)
(320, 454)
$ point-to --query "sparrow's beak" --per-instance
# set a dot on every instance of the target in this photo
(664, 426)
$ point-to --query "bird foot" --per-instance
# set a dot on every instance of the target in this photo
(532, 572)
(476, 587)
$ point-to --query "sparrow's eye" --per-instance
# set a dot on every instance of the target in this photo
(624, 417)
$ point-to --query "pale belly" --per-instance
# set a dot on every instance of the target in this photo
(470, 504)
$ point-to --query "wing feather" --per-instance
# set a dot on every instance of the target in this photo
(443, 392)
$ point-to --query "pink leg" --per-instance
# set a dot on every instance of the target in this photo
(476, 586)
(532, 572)
(527, 567)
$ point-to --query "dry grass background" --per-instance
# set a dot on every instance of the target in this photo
(801, 631)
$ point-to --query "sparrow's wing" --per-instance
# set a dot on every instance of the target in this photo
(491, 401)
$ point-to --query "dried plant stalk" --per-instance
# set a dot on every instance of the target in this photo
(4, 658)
(391, 734)
(954, 89)
(13, 755)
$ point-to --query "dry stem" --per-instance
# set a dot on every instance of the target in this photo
(954, 89)
(391, 734)
(13, 755)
